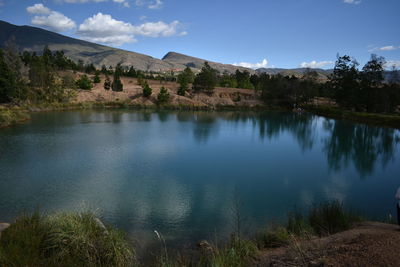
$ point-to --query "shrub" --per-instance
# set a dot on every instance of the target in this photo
(96, 78)
(84, 82)
(274, 238)
(107, 83)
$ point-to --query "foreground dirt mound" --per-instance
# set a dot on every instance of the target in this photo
(369, 244)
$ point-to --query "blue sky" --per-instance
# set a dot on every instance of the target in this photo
(254, 33)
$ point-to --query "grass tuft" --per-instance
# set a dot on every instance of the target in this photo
(63, 240)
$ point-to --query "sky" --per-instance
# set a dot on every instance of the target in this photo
(251, 33)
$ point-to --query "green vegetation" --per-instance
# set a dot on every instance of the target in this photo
(11, 116)
(184, 79)
(107, 83)
(80, 239)
(63, 240)
(323, 219)
(84, 83)
(163, 96)
(330, 218)
(117, 84)
(96, 78)
(147, 91)
(206, 80)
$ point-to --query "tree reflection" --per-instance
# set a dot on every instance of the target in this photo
(299, 125)
(360, 144)
(205, 125)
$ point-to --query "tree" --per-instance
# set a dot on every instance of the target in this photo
(107, 83)
(243, 79)
(84, 83)
(184, 79)
(147, 91)
(8, 81)
(344, 82)
(117, 84)
(96, 78)
(163, 96)
(206, 80)
(371, 83)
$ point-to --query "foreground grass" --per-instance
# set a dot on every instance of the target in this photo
(63, 240)
(80, 239)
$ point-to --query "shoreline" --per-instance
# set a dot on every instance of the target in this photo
(18, 114)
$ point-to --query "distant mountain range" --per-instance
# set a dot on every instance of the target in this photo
(34, 39)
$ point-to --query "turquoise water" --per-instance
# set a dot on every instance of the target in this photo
(185, 174)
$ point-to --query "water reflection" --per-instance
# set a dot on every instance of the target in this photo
(360, 144)
(178, 172)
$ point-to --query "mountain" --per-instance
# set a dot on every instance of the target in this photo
(34, 39)
(197, 63)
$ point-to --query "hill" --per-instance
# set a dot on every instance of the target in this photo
(34, 39)
(178, 59)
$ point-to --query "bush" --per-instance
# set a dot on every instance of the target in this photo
(96, 78)
(63, 240)
(330, 217)
(107, 83)
(84, 82)
(274, 238)
(163, 96)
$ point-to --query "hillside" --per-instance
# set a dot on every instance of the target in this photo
(34, 39)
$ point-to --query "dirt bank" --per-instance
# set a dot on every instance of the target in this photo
(132, 93)
(368, 244)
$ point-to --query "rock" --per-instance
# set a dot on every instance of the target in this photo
(3, 226)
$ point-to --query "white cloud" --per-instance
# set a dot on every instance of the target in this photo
(158, 29)
(157, 4)
(384, 48)
(392, 63)
(38, 9)
(151, 4)
(262, 64)
(81, 1)
(104, 29)
(314, 64)
(49, 19)
(354, 2)
(124, 3)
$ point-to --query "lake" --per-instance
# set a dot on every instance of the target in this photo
(186, 174)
